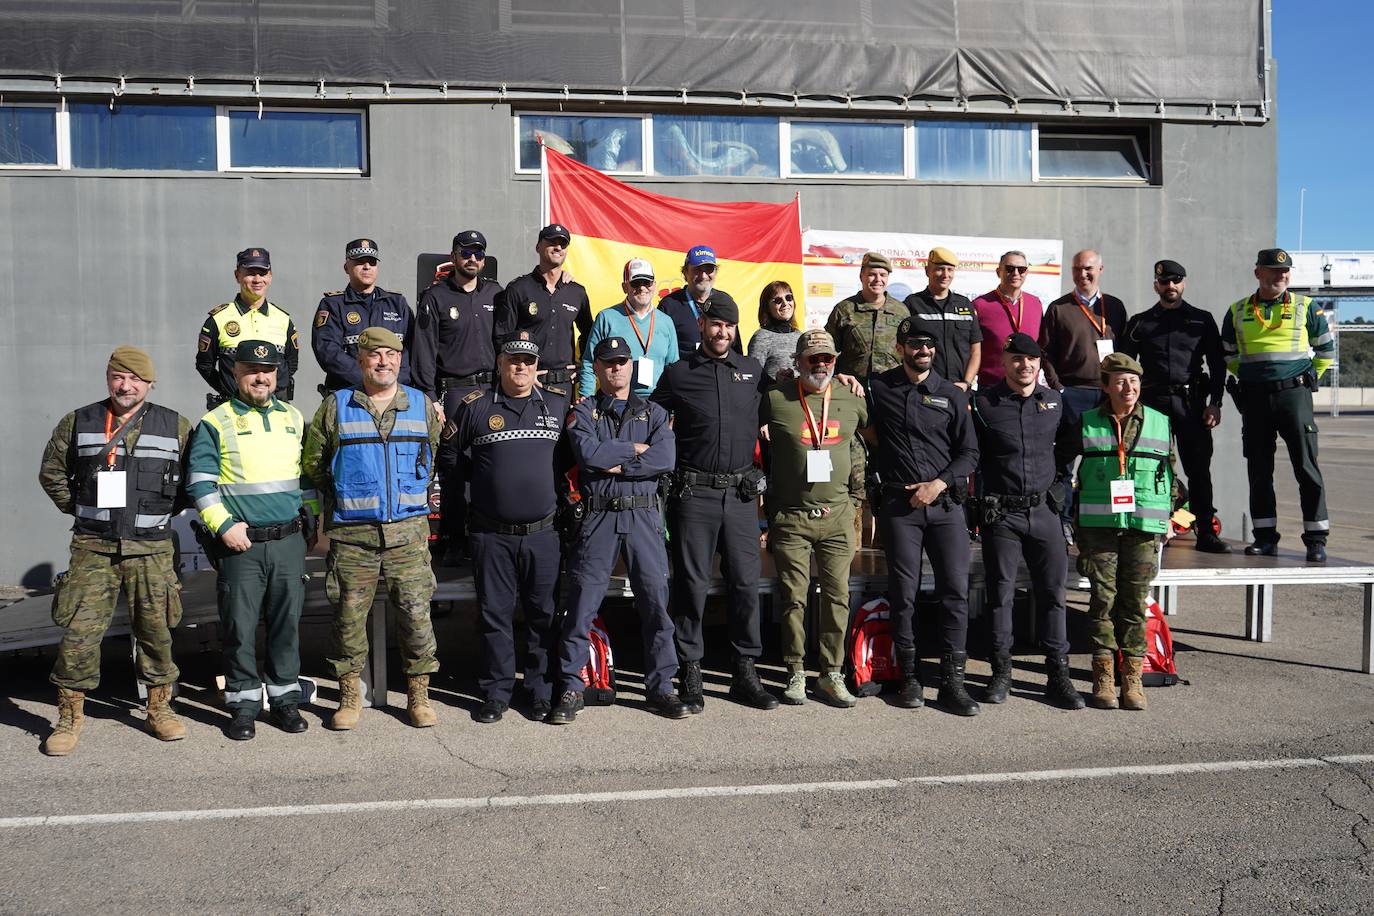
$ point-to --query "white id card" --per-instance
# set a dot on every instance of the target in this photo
(1104, 349)
(644, 372)
(818, 466)
(1123, 495)
(110, 492)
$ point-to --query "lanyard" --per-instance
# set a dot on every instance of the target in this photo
(111, 431)
(1101, 329)
(643, 344)
(817, 435)
(1006, 307)
(1120, 445)
(1278, 319)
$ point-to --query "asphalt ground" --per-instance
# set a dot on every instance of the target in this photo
(1023, 809)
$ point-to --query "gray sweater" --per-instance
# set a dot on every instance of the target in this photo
(774, 345)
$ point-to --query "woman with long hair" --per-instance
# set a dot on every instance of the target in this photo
(774, 343)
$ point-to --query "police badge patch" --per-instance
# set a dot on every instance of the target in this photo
(496, 422)
(320, 318)
(533, 309)
(232, 329)
(354, 318)
(453, 312)
(204, 344)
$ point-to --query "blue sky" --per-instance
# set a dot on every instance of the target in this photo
(1326, 123)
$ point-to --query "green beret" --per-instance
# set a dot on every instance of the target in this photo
(1120, 362)
(876, 259)
(377, 338)
(132, 359)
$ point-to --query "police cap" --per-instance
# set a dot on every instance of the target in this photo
(1166, 269)
(1273, 257)
(612, 349)
(469, 238)
(253, 257)
(520, 345)
(554, 231)
(257, 353)
(358, 249)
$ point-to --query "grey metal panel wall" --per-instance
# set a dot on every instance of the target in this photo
(89, 262)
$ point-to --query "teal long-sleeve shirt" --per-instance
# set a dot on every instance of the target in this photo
(657, 330)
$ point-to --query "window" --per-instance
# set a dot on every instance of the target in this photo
(313, 140)
(973, 151)
(715, 145)
(1092, 157)
(847, 148)
(180, 137)
(604, 143)
(28, 135)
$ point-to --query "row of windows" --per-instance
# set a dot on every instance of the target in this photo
(762, 147)
(198, 138)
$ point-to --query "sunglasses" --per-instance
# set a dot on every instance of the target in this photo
(641, 284)
(923, 344)
(1165, 281)
(1015, 268)
(476, 254)
(820, 359)
(704, 269)
(779, 300)
(522, 359)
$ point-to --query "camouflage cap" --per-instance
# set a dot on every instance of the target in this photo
(816, 341)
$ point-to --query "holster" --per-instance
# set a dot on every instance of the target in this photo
(209, 544)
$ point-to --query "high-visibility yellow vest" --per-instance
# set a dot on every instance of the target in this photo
(259, 479)
(1282, 338)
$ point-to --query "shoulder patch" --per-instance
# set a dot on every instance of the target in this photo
(332, 292)
(472, 396)
(219, 308)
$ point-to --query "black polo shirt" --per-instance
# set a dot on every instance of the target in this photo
(924, 430)
(1177, 346)
(453, 332)
(1016, 439)
(548, 317)
(955, 323)
(715, 406)
(512, 441)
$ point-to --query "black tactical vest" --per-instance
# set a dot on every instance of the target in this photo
(153, 477)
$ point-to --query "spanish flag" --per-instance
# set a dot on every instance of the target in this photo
(612, 222)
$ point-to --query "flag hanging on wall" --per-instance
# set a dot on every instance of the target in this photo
(612, 222)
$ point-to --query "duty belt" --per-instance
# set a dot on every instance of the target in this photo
(707, 479)
(561, 374)
(1015, 502)
(944, 500)
(621, 503)
(464, 381)
(274, 532)
(1296, 381)
(480, 522)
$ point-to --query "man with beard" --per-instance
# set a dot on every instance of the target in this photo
(244, 474)
(453, 356)
(925, 449)
(814, 483)
(684, 306)
(1017, 421)
(370, 451)
(713, 395)
(1179, 347)
(115, 466)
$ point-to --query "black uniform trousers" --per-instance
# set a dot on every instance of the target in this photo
(605, 536)
(704, 520)
(453, 475)
(941, 530)
(513, 570)
(1037, 533)
(1287, 413)
(1194, 442)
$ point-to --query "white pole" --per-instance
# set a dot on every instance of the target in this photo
(1302, 200)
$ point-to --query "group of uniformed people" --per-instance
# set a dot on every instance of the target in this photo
(661, 457)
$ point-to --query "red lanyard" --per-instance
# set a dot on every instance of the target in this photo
(1006, 307)
(1278, 319)
(1101, 329)
(109, 432)
(817, 435)
(643, 344)
(1120, 445)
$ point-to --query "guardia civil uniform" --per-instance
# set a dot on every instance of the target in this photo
(234, 321)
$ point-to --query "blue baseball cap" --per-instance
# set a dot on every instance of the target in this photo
(698, 255)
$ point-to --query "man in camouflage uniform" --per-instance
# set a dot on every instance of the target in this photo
(116, 466)
(864, 326)
(385, 435)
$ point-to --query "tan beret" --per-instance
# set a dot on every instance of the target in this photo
(132, 359)
(941, 255)
(377, 338)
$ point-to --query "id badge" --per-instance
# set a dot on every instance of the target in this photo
(1123, 495)
(818, 466)
(644, 372)
(110, 489)
(1104, 349)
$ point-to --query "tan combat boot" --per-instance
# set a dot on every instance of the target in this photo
(161, 721)
(70, 717)
(350, 703)
(417, 702)
(1104, 682)
(1132, 691)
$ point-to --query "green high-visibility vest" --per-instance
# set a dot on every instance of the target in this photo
(1147, 463)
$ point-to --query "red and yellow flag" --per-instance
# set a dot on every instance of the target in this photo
(612, 222)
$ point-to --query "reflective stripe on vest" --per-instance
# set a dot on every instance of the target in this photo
(1147, 464)
(1286, 341)
(377, 480)
(259, 463)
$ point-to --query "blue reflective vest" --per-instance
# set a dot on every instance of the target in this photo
(375, 479)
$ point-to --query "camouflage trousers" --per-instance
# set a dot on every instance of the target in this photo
(1119, 565)
(354, 571)
(84, 602)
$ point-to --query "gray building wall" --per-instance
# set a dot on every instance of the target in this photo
(91, 261)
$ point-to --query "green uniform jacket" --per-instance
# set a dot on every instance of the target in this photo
(865, 333)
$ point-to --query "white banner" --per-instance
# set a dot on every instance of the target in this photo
(831, 258)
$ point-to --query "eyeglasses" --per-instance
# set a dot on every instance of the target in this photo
(779, 300)
(820, 359)
(641, 284)
(1015, 268)
(624, 360)
(476, 254)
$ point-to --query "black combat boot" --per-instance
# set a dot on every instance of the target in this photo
(953, 697)
(745, 687)
(689, 687)
(1207, 540)
(1000, 685)
(911, 695)
(1059, 688)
